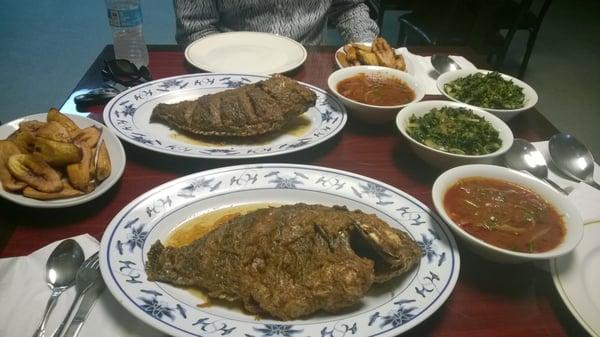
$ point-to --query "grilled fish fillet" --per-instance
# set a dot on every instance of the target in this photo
(289, 261)
(253, 109)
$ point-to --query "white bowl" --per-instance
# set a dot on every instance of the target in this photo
(571, 216)
(374, 114)
(531, 96)
(410, 67)
(442, 159)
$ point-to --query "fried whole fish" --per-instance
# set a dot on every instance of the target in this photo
(289, 261)
(253, 109)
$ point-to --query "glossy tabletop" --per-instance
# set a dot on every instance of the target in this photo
(489, 299)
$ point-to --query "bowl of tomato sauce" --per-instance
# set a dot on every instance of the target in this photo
(505, 215)
(375, 94)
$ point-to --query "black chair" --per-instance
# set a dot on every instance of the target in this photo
(379, 7)
(512, 17)
(436, 22)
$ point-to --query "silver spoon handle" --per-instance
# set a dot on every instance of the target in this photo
(41, 330)
(556, 186)
(76, 301)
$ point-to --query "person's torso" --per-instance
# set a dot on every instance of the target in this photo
(302, 20)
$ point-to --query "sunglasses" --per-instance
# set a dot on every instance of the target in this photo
(126, 73)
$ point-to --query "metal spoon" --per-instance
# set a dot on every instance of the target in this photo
(61, 268)
(443, 63)
(523, 155)
(573, 158)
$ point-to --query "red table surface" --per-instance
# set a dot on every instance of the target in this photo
(489, 299)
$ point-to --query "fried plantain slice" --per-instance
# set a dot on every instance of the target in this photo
(67, 192)
(400, 64)
(351, 54)
(367, 58)
(57, 116)
(31, 126)
(79, 173)
(103, 165)
(57, 154)
(23, 139)
(9, 183)
(35, 172)
(90, 135)
(385, 54)
(54, 131)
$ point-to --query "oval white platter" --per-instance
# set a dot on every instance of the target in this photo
(387, 309)
(115, 152)
(128, 115)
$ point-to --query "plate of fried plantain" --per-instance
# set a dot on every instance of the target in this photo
(54, 160)
(376, 53)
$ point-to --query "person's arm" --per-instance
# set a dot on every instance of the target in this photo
(195, 19)
(352, 20)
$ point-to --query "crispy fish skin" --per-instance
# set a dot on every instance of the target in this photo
(288, 261)
(253, 109)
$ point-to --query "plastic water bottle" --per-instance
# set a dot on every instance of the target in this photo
(125, 18)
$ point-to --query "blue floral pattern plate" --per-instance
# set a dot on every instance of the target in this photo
(387, 310)
(128, 115)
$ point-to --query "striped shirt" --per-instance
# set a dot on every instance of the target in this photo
(302, 20)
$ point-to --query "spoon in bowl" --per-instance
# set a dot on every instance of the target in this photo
(61, 268)
(573, 158)
(443, 63)
(523, 156)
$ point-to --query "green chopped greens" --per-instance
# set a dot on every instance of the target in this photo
(454, 130)
(487, 91)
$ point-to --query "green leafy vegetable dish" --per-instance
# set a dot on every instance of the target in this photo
(487, 91)
(454, 130)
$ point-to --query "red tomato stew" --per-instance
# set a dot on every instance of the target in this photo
(376, 90)
(505, 215)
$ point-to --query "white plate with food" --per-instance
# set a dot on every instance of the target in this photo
(206, 136)
(79, 185)
(576, 277)
(246, 52)
(365, 54)
(179, 211)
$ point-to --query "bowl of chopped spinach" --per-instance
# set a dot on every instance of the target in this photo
(447, 134)
(502, 95)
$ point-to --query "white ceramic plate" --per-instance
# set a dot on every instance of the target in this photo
(577, 279)
(246, 52)
(410, 67)
(531, 96)
(387, 310)
(128, 115)
(115, 151)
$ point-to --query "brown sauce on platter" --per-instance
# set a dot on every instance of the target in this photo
(505, 215)
(376, 90)
(297, 128)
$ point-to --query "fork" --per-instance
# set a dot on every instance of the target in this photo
(87, 275)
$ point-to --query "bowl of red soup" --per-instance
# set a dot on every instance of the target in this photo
(505, 215)
(375, 94)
